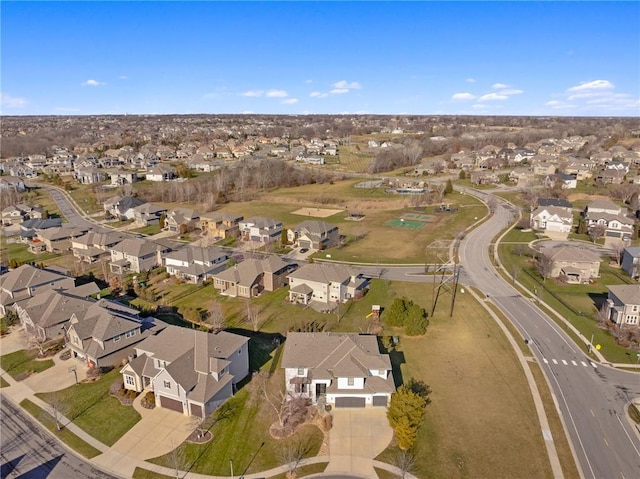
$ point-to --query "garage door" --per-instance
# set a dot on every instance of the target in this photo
(350, 402)
(169, 403)
(196, 410)
(304, 244)
(380, 401)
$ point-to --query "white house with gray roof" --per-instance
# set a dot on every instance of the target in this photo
(344, 370)
(249, 278)
(189, 371)
(260, 229)
(195, 263)
(554, 219)
(313, 234)
(136, 255)
(623, 305)
(631, 261)
(325, 284)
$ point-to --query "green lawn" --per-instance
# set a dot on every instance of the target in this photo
(23, 362)
(64, 435)
(576, 303)
(304, 471)
(92, 408)
(518, 236)
(140, 473)
(241, 433)
(481, 421)
(4, 383)
(148, 230)
(20, 252)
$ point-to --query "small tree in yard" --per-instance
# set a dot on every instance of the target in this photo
(596, 232)
(405, 461)
(406, 411)
(448, 188)
(394, 314)
(115, 285)
(216, 316)
(544, 265)
(416, 321)
(57, 408)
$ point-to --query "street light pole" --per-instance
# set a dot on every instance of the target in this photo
(591, 342)
(231, 466)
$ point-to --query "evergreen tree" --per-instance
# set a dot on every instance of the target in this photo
(448, 189)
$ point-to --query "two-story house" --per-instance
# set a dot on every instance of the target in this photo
(249, 278)
(221, 225)
(630, 263)
(136, 255)
(555, 219)
(181, 220)
(191, 372)
(344, 370)
(611, 218)
(623, 305)
(148, 214)
(312, 234)
(161, 172)
(325, 284)
(105, 333)
(122, 207)
(260, 229)
(93, 246)
(195, 263)
(58, 240)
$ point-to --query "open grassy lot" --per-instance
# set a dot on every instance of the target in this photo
(64, 435)
(354, 158)
(40, 197)
(481, 421)
(90, 407)
(241, 433)
(578, 304)
(22, 362)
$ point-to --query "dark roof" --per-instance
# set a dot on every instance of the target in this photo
(554, 202)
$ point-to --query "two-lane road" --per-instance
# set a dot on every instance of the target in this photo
(591, 397)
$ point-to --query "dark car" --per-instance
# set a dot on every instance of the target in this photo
(304, 250)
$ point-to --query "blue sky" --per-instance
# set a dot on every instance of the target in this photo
(503, 58)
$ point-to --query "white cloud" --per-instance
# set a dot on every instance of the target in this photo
(12, 101)
(93, 83)
(493, 97)
(339, 91)
(463, 96)
(290, 101)
(123, 77)
(344, 84)
(318, 94)
(479, 106)
(470, 80)
(510, 91)
(592, 85)
(253, 93)
(499, 86)
(277, 94)
(553, 103)
(308, 81)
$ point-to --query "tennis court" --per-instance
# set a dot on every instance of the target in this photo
(417, 217)
(402, 223)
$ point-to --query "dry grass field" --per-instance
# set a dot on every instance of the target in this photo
(481, 422)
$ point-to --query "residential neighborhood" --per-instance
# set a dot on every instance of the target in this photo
(298, 280)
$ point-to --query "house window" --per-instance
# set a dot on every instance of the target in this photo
(116, 338)
(129, 380)
(634, 308)
(351, 381)
(300, 371)
(167, 384)
(239, 352)
(128, 334)
(381, 372)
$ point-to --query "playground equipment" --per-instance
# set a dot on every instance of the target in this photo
(375, 312)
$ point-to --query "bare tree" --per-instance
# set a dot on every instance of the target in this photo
(596, 232)
(216, 316)
(178, 460)
(618, 248)
(57, 408)
(253, 316)
(405, 461)
(544, 264)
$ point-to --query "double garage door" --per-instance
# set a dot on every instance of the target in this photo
(170, 403)
(352, 401)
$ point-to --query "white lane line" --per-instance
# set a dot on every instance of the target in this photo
(565, 363)
(554, 361)
(546, 361)
(574, 363)
(584, 364)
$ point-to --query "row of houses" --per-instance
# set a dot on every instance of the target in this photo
(556, 216)
(190, 371)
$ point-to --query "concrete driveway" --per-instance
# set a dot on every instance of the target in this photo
(357, 436)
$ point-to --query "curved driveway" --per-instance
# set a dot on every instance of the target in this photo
(591, 397)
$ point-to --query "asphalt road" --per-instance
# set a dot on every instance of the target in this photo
(591, 397)
(69, 211)
(28, 452)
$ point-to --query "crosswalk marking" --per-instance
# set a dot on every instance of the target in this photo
(574, 363)
(583, 363)
(546, 361)
(565, 363)
(593, 364)
(554, 361)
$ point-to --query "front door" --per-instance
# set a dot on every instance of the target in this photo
(321, 389)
